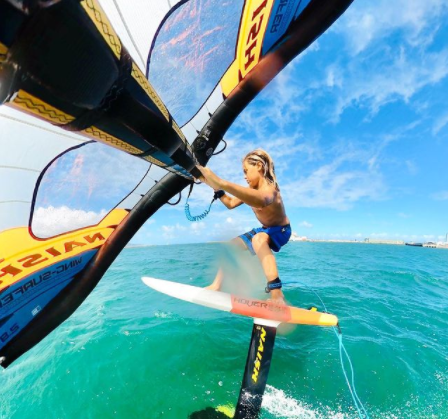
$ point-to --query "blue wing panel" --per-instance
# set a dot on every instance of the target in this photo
(23, 301)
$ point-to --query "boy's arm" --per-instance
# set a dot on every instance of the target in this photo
(252, 197)
(230, 201)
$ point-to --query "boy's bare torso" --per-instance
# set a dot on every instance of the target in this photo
(273, 214)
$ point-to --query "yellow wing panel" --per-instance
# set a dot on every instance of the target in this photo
(248, 52)
(21, 254)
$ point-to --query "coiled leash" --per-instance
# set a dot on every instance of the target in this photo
(217, 195)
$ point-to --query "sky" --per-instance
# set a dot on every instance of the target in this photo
(357, 126)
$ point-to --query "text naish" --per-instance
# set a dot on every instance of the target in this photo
(32, 260)
(254, 36)
(34, 283)
(257, 363)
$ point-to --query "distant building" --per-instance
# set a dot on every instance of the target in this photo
(383, 241)
(430, 244)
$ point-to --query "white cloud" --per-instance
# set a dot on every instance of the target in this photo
(176, 231)
(146, 234)
(334, 76)
(198, 228)
(203, 231)
(234, 225)
(171, 228)
(333, 186)
(51, 221)
(398, 75)
(305, 224)
(367, 22)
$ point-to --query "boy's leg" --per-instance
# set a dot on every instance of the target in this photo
(217, 282)
(260, 243)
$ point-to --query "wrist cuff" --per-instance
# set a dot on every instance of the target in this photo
(218, 194)
(275, 284)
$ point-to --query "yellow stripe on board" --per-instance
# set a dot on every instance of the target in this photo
(21, 254)
(250, 41)
(100, 20)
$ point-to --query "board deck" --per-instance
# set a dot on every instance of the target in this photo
(241, 305)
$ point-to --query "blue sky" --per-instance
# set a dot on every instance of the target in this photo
(358, 128)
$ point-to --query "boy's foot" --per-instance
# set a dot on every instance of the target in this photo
(277, 297)
(278, 301)
(213, 287)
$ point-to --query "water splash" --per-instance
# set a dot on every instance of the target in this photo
(281, 405)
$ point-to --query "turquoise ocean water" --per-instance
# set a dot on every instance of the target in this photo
(129, 352)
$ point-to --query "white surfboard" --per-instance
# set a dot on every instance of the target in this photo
(241, 305)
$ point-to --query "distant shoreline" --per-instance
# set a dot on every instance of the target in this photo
(368, 241)
(393, 242)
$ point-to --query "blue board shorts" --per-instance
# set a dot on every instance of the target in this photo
(279, 236)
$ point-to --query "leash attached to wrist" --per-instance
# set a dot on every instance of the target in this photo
(218, 194)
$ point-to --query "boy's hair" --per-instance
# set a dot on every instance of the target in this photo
(261, 156)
